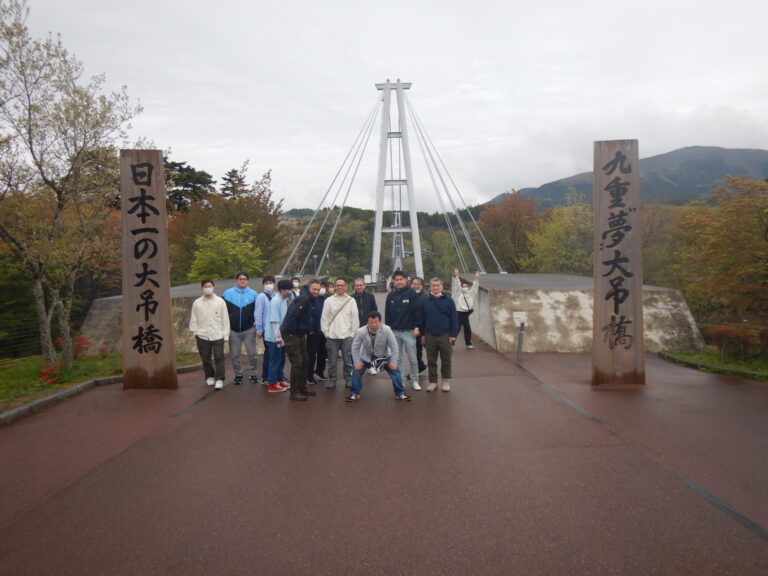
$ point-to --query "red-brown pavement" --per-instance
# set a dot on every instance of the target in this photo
(518, 470)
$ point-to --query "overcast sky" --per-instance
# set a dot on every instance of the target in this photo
(513, 94)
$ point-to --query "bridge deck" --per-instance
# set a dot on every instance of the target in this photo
(513, 472)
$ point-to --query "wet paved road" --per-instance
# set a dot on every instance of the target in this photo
(515, 471)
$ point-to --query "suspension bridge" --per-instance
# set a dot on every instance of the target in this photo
(396, 193)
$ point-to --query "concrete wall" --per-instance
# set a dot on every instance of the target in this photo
(556, 309)
(559, 318)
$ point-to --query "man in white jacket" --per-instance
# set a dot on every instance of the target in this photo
(339, 323)
(209, 322)
(373, 349)
(464, 296)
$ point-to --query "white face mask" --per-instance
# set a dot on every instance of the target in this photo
(465, 288)
(295, 284)
(322, 291)
(207, 291)
(269, 288)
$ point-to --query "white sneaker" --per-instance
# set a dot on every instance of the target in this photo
(446, 385)
(415, 385)
(219, 384)
(432, 387)
(210, 381)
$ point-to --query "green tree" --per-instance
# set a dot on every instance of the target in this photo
(234, 184)
(725, 261)
(185, 185)
(564, 242)
(59, 168)
(224, 253)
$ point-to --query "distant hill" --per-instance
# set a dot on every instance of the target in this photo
(676, 177)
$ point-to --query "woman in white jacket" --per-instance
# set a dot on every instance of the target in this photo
(464, 296)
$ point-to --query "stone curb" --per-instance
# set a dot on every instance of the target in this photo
(39, 404)
(709, 367)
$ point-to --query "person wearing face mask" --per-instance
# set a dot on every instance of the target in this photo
(296, 283)
(440, 325)
(464, 296)
(209, 322)
(261, 319)
(273, 339)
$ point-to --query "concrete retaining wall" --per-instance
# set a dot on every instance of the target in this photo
(556, 309)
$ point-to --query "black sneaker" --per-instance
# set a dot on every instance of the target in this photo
(238, 380)
(352, 398)
(254, 379)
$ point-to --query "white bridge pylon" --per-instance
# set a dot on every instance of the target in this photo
(311, 253)
(403, 181)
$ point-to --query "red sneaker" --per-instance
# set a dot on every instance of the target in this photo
(283, 384)
(275, 388)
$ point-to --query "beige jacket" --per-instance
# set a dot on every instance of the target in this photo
(209, 319)
(345, 323)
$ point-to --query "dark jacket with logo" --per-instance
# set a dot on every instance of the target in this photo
(402, 311)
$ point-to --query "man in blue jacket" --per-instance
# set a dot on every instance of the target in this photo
(440, 327)
(241, 304)
(402, 313)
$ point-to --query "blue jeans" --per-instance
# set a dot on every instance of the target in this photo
(276, 361)
(357, 379)
(407, 341)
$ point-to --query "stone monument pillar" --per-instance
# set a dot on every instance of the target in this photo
(149, 356)
(617, 328)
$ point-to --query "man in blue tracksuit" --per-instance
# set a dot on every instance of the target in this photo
(241, 304)
(403, 314)
(440, 327)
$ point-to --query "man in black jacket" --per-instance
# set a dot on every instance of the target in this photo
(403, 314)
(366, 302)
(294, 329)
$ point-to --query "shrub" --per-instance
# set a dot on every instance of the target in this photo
(732, 341)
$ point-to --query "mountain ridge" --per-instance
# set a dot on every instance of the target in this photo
(675, 177)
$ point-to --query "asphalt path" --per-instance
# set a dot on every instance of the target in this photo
(520, 469)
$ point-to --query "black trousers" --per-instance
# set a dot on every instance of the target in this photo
(213, 367)
(296, 350)
(316, 354)
(464, 323)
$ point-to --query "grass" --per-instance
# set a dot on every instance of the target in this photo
(711, 360)
(20, 379)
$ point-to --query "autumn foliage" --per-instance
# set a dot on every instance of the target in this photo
(724, 263)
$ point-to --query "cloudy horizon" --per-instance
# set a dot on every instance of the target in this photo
(512, 96)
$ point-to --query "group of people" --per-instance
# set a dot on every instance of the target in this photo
(315, 325)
